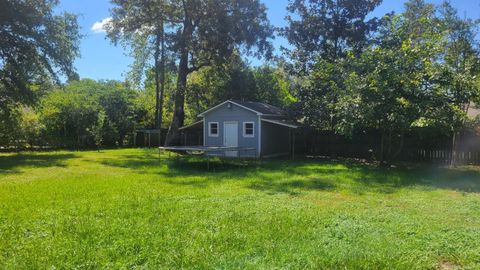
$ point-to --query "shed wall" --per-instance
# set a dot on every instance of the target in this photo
(234, 113)
(275, 139)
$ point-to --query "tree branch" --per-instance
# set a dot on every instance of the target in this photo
(197, 67)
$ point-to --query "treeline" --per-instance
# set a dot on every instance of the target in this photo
(88, 114)
(344, 70)
(419, 68)
(77, 115)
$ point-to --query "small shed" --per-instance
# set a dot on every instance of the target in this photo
(247, 124)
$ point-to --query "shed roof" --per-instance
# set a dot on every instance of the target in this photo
(256, 107)
(262, 108)
(193, 125)
(281, 122)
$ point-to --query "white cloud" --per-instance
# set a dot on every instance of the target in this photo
(100, 27)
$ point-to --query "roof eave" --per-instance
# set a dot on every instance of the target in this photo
(279, 123)
(191, 125)
(233, 102)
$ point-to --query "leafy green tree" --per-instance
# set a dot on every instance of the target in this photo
(9, 122)
(144, 104)
(392, 82)
(116, 100)
(458, 83)
(202, 33)
(145, 100)
(272, 86)
(140, 25)
(327, 29)
(31, 128)
(97, 129)
(235, 80)
(214, 84)
(321, 33)
(319, 93)
(68, 113)
(36, 45)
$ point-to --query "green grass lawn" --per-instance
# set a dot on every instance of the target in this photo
(124, 209)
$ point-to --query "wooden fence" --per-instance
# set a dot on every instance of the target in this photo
(420, 145)
(444, 156)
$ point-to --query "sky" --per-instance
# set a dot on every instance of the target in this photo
(100, 59)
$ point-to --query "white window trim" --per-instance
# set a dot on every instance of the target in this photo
(245, 128)
(210, 129)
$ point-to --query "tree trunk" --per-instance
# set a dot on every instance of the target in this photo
(453, 159)
(159, 79)
(173, 135)
(388, 156)
(382, 148)
(400, 147)
(333, 139)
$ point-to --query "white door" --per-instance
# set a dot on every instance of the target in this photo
(230, 137)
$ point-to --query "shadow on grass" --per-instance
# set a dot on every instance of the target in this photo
(293, 187)
(295, 177)
(13, 163)
(460, 179)
(182, 165)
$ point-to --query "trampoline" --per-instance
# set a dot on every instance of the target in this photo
(212, 151)
(222, 151)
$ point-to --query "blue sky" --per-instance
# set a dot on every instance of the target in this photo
(102, 60)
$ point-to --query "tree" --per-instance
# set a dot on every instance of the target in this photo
(272, 86)
(116, 100)
(321, 33)
(31, 129)
(97, 129)
(319, 95)
(327, 29)
(145, 101)
(36, 45)
(214, 84)
(421, 70)
(458, 83)
(202, 32)
(141, 25)
(10, 119)
(235, 80)
(68, 113)
(392, 84)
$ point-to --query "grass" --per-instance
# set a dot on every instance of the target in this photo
(124, 209)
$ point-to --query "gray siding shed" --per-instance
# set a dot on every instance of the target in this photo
(269, 139)
(235, 113)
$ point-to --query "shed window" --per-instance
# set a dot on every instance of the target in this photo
(213, 129)
(248, 129)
